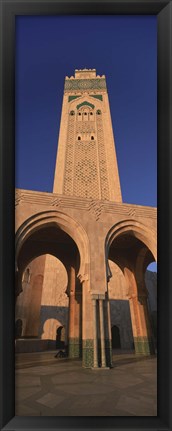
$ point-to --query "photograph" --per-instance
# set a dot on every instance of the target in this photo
(86, 215)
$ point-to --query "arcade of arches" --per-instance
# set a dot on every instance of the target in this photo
(81, 253)
(57, 307)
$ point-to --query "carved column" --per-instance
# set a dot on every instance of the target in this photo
(109, 333)
(94, 301)
(102, 334)
(147, 339)
(141, 324)
(71, 274)
(87, 326)
(78, 319)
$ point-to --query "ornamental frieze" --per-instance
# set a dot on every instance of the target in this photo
(85, 84)
(96, 207)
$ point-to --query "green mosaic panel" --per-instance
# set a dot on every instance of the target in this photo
(74, 348)
(87, 353)
(99, 354)
(85, 103)
(97, 96)
(144, 345)
(108, 349)
(72, 98)
(85, 84)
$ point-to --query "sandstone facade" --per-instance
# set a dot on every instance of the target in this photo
(91, 250)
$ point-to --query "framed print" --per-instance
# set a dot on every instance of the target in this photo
(79, 315)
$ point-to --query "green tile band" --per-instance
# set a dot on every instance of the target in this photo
(108, 349)
(144, 345)
(87, 353)
(75, 348)
(85, 84)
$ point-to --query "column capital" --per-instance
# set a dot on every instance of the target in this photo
(94, 297)
(102, 296)
(82, 277)
(98, 296)
(132, 295)
(102, 334)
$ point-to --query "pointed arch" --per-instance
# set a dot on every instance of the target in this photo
(66, 224)
(139, 230)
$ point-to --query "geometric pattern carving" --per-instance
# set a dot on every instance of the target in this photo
(95, 209)
(85, 84)
(102, 159)
(68, 177)
(86, 166)
(88, 127)
(53, 199)
(86, 173)
(18, 197)
(56, 202)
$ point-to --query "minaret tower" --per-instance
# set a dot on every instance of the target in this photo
(86, 164)
(75, 232)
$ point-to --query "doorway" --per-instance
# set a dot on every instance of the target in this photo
(116, 341)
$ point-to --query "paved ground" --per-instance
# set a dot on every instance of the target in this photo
(46, 386)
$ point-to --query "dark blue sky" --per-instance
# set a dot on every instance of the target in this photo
(121, 47)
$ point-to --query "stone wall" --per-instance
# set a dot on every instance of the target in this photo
(119, 304)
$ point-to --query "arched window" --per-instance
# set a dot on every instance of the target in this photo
(98, 112)
(92, 137)
(79, 138)
(116, 341)
(72, 112)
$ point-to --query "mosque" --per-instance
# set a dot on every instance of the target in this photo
(82, 254)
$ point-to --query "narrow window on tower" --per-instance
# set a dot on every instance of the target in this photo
(79, 116)
(91, 117)
(85, 116)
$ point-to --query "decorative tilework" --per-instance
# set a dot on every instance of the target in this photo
(72, 98)
(144, 345)
(75, 348)
(85, 84)
(97, 96)
(87, 353)
(85, 103)
(108, 349)
(108, 352)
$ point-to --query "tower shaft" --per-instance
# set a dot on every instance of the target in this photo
(86, 164)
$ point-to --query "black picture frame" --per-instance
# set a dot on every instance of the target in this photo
(163, 10)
